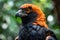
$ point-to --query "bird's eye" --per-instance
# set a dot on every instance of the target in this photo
(28, 11)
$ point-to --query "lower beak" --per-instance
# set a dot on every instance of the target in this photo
(17, 15)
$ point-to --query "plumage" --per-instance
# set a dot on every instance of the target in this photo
(34, 25)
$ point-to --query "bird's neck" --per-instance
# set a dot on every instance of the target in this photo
(27, 21)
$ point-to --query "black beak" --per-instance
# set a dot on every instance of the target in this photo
(20, 15)
(17, 15)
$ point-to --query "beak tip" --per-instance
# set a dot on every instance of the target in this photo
(16, 15)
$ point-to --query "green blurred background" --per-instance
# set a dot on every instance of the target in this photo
(9, 25)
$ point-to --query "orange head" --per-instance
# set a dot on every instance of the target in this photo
(40, 19)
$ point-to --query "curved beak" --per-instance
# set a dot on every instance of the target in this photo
(20, 14)
(17, 15)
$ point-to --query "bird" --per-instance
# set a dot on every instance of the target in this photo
(34, 25)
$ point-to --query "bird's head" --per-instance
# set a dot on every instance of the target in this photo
(31, 13)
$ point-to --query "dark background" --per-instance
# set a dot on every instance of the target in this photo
(9, 25)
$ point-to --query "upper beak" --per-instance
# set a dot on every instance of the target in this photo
(20, 14)
(17, 13)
